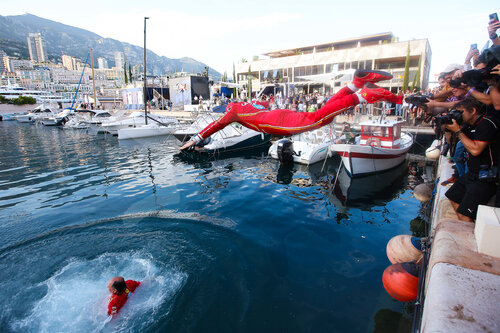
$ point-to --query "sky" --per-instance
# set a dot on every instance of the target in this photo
(220, 32)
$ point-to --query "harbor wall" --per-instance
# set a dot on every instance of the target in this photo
(462, 287)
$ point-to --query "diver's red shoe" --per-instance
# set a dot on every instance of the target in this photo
(373, 93)
(364, 76)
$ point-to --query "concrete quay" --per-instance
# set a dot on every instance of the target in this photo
(462, 288)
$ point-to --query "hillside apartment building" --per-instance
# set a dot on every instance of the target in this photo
(307, 67)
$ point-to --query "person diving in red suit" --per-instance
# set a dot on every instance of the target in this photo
(120, 290)
(288, 122)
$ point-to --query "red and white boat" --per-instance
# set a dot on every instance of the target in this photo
(380, 147)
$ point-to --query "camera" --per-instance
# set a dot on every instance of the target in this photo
(418, 100)
(473, 78)
(488, 173)
(448, 118)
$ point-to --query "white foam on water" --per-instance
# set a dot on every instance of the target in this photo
(77, 297)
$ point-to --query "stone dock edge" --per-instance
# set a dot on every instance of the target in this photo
(462, 289)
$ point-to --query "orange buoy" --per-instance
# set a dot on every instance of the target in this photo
(401, 281)
(403, 248)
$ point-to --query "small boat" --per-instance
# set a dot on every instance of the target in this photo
(183, 134)
(232, 138)
(144, 131)
(57, 120)
(382, 146)
(9, 116)
(38, 113)
(133, 120)
(305, 148)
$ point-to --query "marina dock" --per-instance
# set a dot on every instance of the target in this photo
(462, 285)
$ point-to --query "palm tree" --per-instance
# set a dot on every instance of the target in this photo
(416, 79)
(249, 76)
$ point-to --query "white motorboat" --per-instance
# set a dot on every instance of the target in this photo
(382, 146)
(79, 119)
(57, 120)
(40, 112)
(133, 120)
(232, 138)
(305, 148)
(9, 116)
(144, 131)
(184, 133)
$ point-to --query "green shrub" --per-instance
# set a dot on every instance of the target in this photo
(21, 100)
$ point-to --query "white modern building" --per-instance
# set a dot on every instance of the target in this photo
(320, 67)
(69, 62)
(102, 63)
(119, 59)
(37, 51)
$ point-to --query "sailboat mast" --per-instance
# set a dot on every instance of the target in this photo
(93, 78)
(144, 91)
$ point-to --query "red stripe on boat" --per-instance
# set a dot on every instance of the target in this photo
(369, 156)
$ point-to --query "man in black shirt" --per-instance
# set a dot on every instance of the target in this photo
(481, 140)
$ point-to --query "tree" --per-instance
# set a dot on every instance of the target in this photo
(224, 77)
(125, 72)
(249, 82)
(130, 73)
(406, 78)
(416, 79)
(205, 72)
(243, 60)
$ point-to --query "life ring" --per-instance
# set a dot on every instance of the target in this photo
(374, 142)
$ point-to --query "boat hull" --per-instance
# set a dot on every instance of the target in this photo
(362, 160)
(246, 141)
(306, 153)
(143, 132)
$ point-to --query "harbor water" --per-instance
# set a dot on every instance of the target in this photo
(221, 244)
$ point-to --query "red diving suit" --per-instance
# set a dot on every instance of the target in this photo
(116, 302)
(280, 122)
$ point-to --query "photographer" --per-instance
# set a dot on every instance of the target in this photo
(480, 137)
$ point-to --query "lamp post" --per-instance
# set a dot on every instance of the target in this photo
(144, 90)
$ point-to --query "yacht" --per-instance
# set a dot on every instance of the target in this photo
(12, 91)
(40, 112)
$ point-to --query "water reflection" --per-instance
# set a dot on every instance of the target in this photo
(364, 192)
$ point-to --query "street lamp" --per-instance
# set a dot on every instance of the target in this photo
(144, 90)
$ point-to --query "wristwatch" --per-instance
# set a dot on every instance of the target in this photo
(493, 36)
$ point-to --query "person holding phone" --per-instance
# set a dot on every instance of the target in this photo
(493, 27)
(473, 55)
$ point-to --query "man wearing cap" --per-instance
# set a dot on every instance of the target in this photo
(444, 99)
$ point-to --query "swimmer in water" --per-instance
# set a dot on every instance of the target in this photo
(120, 290)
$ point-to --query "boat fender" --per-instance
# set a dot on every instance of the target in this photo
(285, 151)
(433, 152)
(401, 281)
(423, 192)
(403, 248)
(374, 142)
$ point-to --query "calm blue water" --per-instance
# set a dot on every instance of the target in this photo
(222, 245)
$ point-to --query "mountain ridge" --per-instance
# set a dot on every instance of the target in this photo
(62, 38)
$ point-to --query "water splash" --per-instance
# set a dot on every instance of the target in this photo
(76, 296)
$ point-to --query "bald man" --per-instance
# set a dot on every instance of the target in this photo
(120, 290)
